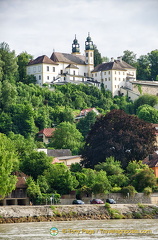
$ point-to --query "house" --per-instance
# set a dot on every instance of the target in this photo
(114, 75)
(74, 67)
(46, 134)
(68, 160)
(84, 112)
(61, 68)
(152, 162)
(19, 195)
(156, 133)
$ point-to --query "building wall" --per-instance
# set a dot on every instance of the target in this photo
(146, 87)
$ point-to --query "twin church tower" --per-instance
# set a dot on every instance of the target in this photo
(61, 68)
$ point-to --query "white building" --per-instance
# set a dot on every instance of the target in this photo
(64, 67)
(114, 75)
(61, 68)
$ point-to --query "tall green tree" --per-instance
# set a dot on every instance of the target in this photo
(8, 163)
(143, 68)
(8, 63)
(120, 135)
(97, 56)
(153, 57)
(129, 57)
(23, 60)
(84, 125)
(66, 136)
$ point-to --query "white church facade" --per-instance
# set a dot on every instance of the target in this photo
(62, 68)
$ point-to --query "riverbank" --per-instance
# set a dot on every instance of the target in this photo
(14, 214)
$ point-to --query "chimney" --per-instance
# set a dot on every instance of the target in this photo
(119, 58)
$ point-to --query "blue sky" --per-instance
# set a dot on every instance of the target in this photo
(39, 26)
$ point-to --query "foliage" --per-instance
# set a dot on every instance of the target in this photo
(60, 179)
(97, 56)
(66, 136)
(148, 113)
(23, 60)
(145, 99)
(120, 135)
(8, 63)
(84, 124)
(8, 163)
(75, 167)
(35, 164)
(129, 57)
(144, 178)
(129, 189)
(147, 191)
(33, 190)
(153, 58)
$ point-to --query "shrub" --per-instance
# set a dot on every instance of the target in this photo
(116, 189)
(129, 189)
(147, 191)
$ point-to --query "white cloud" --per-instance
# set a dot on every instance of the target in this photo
(38, 26)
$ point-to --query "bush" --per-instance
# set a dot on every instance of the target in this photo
(129, 189)
(147, 191)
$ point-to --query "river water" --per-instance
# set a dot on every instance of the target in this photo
(87, 229)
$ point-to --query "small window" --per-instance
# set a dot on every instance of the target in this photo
(73, 72)
(109, 72)
(104, 73)
(91, 54)
(105, 79)
(96, 74)
(34, 69)
(119, 73)
(47, 77)
(86, 54)
(92, 74)
(53, 69)
(48, 68)
(39, 77)
(61, 71)
(119, 79)
(39, 68)
(109, 78)
(115, 72)
(115, 78)
(53, 78)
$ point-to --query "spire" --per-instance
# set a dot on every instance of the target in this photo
(89, 43)
(75, 46)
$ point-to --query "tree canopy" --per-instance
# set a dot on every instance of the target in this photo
(120, 135)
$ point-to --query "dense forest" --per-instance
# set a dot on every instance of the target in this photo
(26, 108)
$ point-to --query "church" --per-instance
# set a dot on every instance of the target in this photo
(62, 68)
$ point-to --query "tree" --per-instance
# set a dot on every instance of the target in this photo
(120, 135)
(8, 163)
(144, 178)
(66, 136)
(35, 163)
(145, 99)
(153, 57)
(143, 68)
(84, 125)
(8, 63)
(60, 179)
(23, 60)
(97, 56)
(33, 190)
(129, 57)
(148, 113)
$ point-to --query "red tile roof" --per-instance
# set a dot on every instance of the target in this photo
(48, 132)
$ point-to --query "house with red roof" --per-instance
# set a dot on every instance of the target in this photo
(152, 162)
(46, 134)
(84, 112)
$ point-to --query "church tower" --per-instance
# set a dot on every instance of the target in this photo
(75, 47)
(89, 52)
